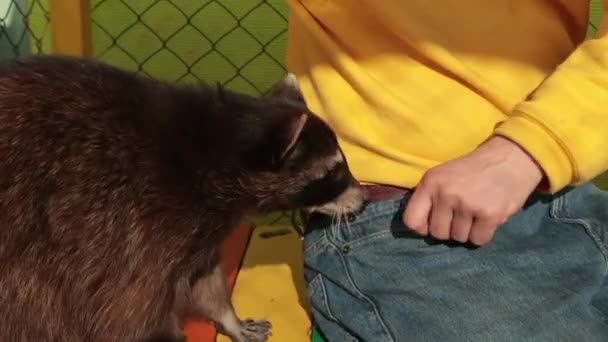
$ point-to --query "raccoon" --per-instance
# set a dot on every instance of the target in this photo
(117, 189)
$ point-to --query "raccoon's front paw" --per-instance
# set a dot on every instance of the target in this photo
(254, 331)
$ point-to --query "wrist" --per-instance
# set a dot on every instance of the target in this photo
(515, 157)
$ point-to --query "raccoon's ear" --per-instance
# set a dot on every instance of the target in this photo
(275, 143)
(294, 132)
(291, 81)
(288, 88)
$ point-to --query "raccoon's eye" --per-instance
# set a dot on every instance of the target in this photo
(337, 172)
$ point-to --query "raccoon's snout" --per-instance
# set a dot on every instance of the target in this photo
(350, 201)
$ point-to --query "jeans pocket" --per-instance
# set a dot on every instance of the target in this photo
(587, 207)
(317, 294)
(333, 328)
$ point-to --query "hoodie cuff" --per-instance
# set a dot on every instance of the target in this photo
(542, 145)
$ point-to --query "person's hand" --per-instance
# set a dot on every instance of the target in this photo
(466, 199)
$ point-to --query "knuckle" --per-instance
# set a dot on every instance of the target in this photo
(480, 240)
(439, 232)
(446, 193)
(482, 236)
(415, 225)
(449, 195)
(428, 182)
(487, 212)
(440, 235)
(475, 240)
(432, 173)
(467, 207)
(433, 178)
(458, 236)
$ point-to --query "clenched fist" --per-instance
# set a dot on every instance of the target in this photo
(466, 199)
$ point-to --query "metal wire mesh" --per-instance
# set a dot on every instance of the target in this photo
(24, 28)
(239, 43)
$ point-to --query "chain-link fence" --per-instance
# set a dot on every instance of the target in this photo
(24, 28)
(239, 43)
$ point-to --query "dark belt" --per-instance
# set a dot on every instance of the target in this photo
(377, 193)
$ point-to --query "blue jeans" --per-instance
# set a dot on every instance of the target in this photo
(542, 277)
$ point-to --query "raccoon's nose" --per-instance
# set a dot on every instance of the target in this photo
(351, 217)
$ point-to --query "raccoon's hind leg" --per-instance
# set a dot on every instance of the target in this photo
(210, 294)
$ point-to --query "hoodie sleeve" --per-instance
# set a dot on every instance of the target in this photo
(564, 123)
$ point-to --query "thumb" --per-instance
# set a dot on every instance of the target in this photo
(417, 211)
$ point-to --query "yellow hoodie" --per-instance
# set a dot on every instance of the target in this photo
(408, 84)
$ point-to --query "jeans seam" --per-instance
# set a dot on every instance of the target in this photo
(557, 207)
(318, 284)
(317, 246)
(367, 238)
(361, 295)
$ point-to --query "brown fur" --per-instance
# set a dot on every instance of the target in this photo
(116, 190)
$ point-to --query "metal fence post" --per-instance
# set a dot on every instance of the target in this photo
(71, 27)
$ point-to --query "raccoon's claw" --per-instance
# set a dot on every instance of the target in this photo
(255, 331)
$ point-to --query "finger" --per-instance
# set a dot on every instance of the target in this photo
(416, 214)
(482, 231)
(441, 220)
(461, 226)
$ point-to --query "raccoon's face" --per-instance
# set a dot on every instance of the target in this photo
(315, 174)
(297, 162)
